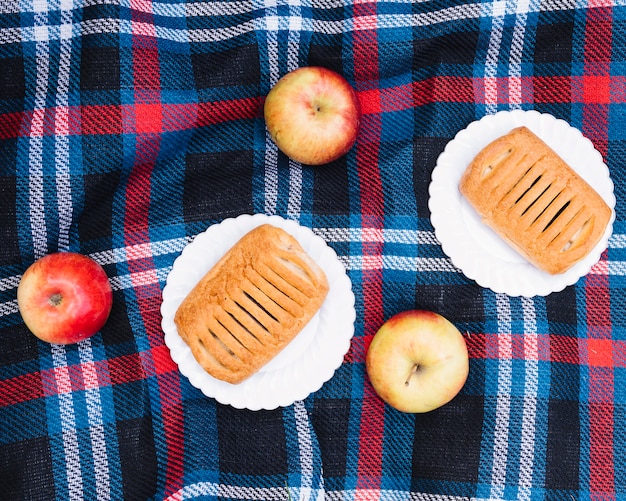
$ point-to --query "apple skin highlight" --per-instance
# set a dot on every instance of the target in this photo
(313, 115)
(417, 361)
(64, 297)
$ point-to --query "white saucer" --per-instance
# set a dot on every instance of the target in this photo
(473, 247)
(307, 362)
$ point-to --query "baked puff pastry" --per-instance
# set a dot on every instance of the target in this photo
(251, 304)
(527, 194)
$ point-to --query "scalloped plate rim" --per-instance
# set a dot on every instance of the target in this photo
(450, 212)
(255, 393)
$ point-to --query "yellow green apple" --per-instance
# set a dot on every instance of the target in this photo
(313, 115)
(417, 361)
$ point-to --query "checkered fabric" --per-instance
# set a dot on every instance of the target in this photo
(129, 126)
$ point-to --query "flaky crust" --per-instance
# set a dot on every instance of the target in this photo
(251, 304)
(526, 193)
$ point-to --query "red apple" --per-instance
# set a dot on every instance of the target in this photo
(417, 361)
(64, 297)
(313, 115)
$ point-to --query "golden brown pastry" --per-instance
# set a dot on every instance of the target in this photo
(251, 304)
(525, 192)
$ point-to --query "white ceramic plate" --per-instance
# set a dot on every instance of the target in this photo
(307, 362)
(473, 247)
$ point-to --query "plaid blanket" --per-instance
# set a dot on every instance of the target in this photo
(129, 126)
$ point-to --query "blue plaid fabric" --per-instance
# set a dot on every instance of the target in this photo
(129, 126)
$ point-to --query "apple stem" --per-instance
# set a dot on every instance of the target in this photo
(56, 299)
(414, 370)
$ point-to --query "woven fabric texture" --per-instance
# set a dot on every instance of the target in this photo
(129, 126)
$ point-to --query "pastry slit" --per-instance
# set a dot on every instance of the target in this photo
(237, 330)
(533, 200)
(215, 342)
(269, 306)
(295, 270)
(255, 310)
(521, 187)
(278, 281)
(248, 321)
(575, 224)
(537, 211)
(258, 278)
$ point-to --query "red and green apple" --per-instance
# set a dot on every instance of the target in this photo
(64, 297)
(313, 115)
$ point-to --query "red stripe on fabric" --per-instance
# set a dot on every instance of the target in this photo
(10, 125)
(126, 369)
(600, 353)
(110, 119)
(386, 100)
(476, 344)
(597, 68)
(21, 389)
(179, 116)
(99, 120)
(564, 349)
(523, 346)
(601, 387)
(598, 35)
(554, 89)
(111, 372)
(76, 377)
(157, 361)
(596, 89)
(149, 115)
(601, 457)
(365, 48)
(550, 348)
(146, 120)
(450, 90)
(223, 111)
(358, 349)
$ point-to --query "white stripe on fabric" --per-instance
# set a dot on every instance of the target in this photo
(96, 424)
(9, 308)
(264, 26)
(200, 9)
(39, 236)
(383, 21)
(397, 263)
(294, 204)
(35, 155)
(503, 402)
(531, 384)
(306, 449)
(68, 424)
(240, 493)
(389, 494)
(61, 130)
(294, 24)
(65, 209)
(354, 262)
(516, 54)
(411, 237)
(212, 489)
(493, 49)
